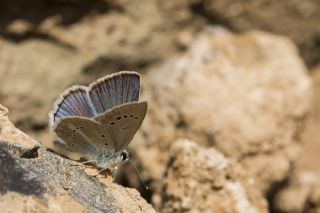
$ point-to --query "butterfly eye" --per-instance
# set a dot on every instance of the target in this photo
(124, 156)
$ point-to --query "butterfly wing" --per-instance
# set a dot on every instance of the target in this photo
(84, 136)
(74, 117)
(122, 122)
(114, 90)
(73, 102)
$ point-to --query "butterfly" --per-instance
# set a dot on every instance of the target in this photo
(98, 122)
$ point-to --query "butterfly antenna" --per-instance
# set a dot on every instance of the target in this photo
(134, 166)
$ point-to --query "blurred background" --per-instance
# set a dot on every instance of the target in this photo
(240, 77)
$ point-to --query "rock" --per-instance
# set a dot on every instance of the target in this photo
(33, 78)
(313, 202)
(284, 18)
(246, 95)
(201, 179)
(42, 181)
(300, 194)
(12, 135)
(135, 36)
(241, 99)
(310, 156)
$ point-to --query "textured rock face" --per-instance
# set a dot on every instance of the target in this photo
(288, 18)
(236, 93)
(201, 179)
(309, 159)
(301, 192)
(12, 135)
(41, 181)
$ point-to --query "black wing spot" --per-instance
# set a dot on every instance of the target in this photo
(131, 116)
(106, 144)
(77, 128)
(74, 130)
(73, 135)
(118, 118)
(125, 116)
(81, 127)
(103, 136)
(136, 118)
(112, 123)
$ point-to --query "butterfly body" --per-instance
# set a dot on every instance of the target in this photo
(98, 122)
(105, 160)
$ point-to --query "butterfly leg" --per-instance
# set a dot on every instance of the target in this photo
(104, 169)
(88, 161)
(83, 163)
(101, 170)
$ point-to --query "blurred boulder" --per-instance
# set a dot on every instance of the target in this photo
(32, 74)
(246, 95)
(309, 159)
(288, 18)
(201, 179)
(300, 194)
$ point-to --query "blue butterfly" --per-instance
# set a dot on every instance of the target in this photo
(99, 121)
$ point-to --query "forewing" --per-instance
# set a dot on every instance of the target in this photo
(123, 122)
(84, 136)
(114, 90)
(73, 102)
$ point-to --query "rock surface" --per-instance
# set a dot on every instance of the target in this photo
(201, 179)
(301, 194)
(301, 191)
(42, 181)
(288, 18)
(11, 135)
(219, 94)
(226, 111)
(310, 157)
